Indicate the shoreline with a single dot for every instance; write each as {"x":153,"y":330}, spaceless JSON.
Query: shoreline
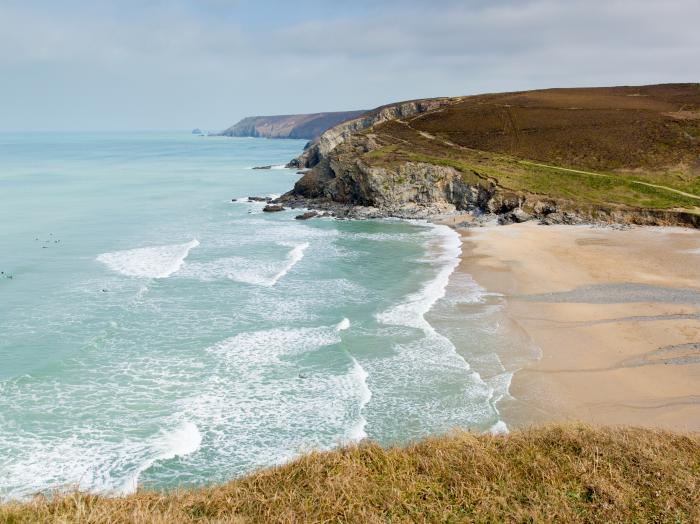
{"x":615,"y":313}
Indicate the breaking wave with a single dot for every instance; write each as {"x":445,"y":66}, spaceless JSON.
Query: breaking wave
{"x":148,"y":262}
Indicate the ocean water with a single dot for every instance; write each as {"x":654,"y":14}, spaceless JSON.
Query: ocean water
{"x":156,"y":334}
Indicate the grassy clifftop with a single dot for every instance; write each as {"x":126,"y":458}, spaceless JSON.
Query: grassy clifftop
{"x":635,"y":146}
{"x":585,"y":149}
{"x":569,"y":473}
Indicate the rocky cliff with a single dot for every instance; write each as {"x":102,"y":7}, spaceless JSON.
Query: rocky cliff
{"x":611,"y":154}
{"x":307,"y":127}
{"x":328,"y":140}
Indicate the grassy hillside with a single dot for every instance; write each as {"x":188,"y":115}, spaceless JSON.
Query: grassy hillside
{"x":633,"y":146}
{"x":560,"y":473}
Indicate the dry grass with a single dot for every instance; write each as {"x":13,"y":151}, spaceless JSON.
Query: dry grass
{"x":402,"y":143}
{"x":630,"y":146}
{"x":562,"y":473}
{"x":600,"y":129}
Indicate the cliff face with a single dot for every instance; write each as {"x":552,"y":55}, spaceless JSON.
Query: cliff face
{"x":411,"y":189}
{"x":306,"y":127}
{"x":328,"y":140}
{"x":517,"y":155}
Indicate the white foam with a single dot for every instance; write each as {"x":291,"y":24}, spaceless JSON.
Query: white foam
{"x":357,"y":431}
{"x":294,"y":257}
{"x":285,"y":407}
{"x":434,"y":354}
{"x":499,"y":428}
{"x":343,"y":325}
{"x":256,"y":273}
{"x":89,"y":462}
{"x":183,"y":440}
{"x":247,"y":270}
{"x":411,"y":312}
{"x":251,"y":349}
{"x":148,"y":262}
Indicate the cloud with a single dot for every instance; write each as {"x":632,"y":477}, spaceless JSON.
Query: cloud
{"x":208,"y":62}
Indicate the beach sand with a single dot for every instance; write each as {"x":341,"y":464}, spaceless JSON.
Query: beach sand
{"x":616,"y":314}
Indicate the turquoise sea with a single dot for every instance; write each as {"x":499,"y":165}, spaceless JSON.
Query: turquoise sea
{"x":157,"y":334}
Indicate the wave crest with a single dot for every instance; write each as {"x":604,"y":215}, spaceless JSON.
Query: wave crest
{"x":148,"y":262}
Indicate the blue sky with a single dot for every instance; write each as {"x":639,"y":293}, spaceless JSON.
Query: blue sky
{"x":179,"y":64}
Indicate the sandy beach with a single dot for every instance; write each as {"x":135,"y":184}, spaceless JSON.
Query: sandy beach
{"x":616,"y":314}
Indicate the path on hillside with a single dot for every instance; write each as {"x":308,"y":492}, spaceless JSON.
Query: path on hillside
{"x":657,"y":186}
{"x":557,"y":168}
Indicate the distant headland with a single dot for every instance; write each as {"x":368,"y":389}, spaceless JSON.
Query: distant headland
{"x":308,"y":127}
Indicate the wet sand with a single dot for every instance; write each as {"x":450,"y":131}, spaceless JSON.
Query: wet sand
{"x":616,"y":314}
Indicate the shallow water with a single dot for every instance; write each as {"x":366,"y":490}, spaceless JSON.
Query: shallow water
{"x":157,"y":334}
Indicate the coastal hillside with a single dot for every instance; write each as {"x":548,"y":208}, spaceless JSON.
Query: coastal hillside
{"x":569,"y":473}
{"x":289,"y":126}
{"x":562,"y":155}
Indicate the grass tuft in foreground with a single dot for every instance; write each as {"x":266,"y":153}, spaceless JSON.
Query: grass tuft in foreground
{"x":559,"y":473}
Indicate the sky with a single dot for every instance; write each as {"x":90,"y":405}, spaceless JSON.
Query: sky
{"x":102,"y":65}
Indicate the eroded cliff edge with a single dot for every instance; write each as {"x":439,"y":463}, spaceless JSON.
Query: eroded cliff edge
{"x":627,"y":154}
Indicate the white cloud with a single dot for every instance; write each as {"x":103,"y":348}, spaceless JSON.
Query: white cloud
{"x":208,"y":62}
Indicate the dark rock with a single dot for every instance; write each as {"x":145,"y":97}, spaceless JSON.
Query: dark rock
{"x":544,"y":208}
{"x":516,"y":216}
{"x":566,"y":218}
{"x":307,"y":215}
{"x":273,"y":208}
{"x":552,"y":219}
{"x":258,"y":199}
{"x":262,"y":167}
{"x":234,"y":200}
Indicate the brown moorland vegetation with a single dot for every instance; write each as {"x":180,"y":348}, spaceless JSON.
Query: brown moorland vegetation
{"x":559,"y":473}
{"x":604,"y":128}
{"x":631,"y":146}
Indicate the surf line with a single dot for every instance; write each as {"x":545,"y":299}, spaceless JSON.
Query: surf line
{"x":357,"y":431}
{"x":293,"y":257}
{"x":412,"y":310}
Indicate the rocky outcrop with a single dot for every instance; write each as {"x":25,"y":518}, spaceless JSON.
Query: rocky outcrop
{"x":344,"y":185}
{"x":306,"y":215}
{"x":307,"y":127}
{"x":330,"y":139}
{"x":354,"y":171}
